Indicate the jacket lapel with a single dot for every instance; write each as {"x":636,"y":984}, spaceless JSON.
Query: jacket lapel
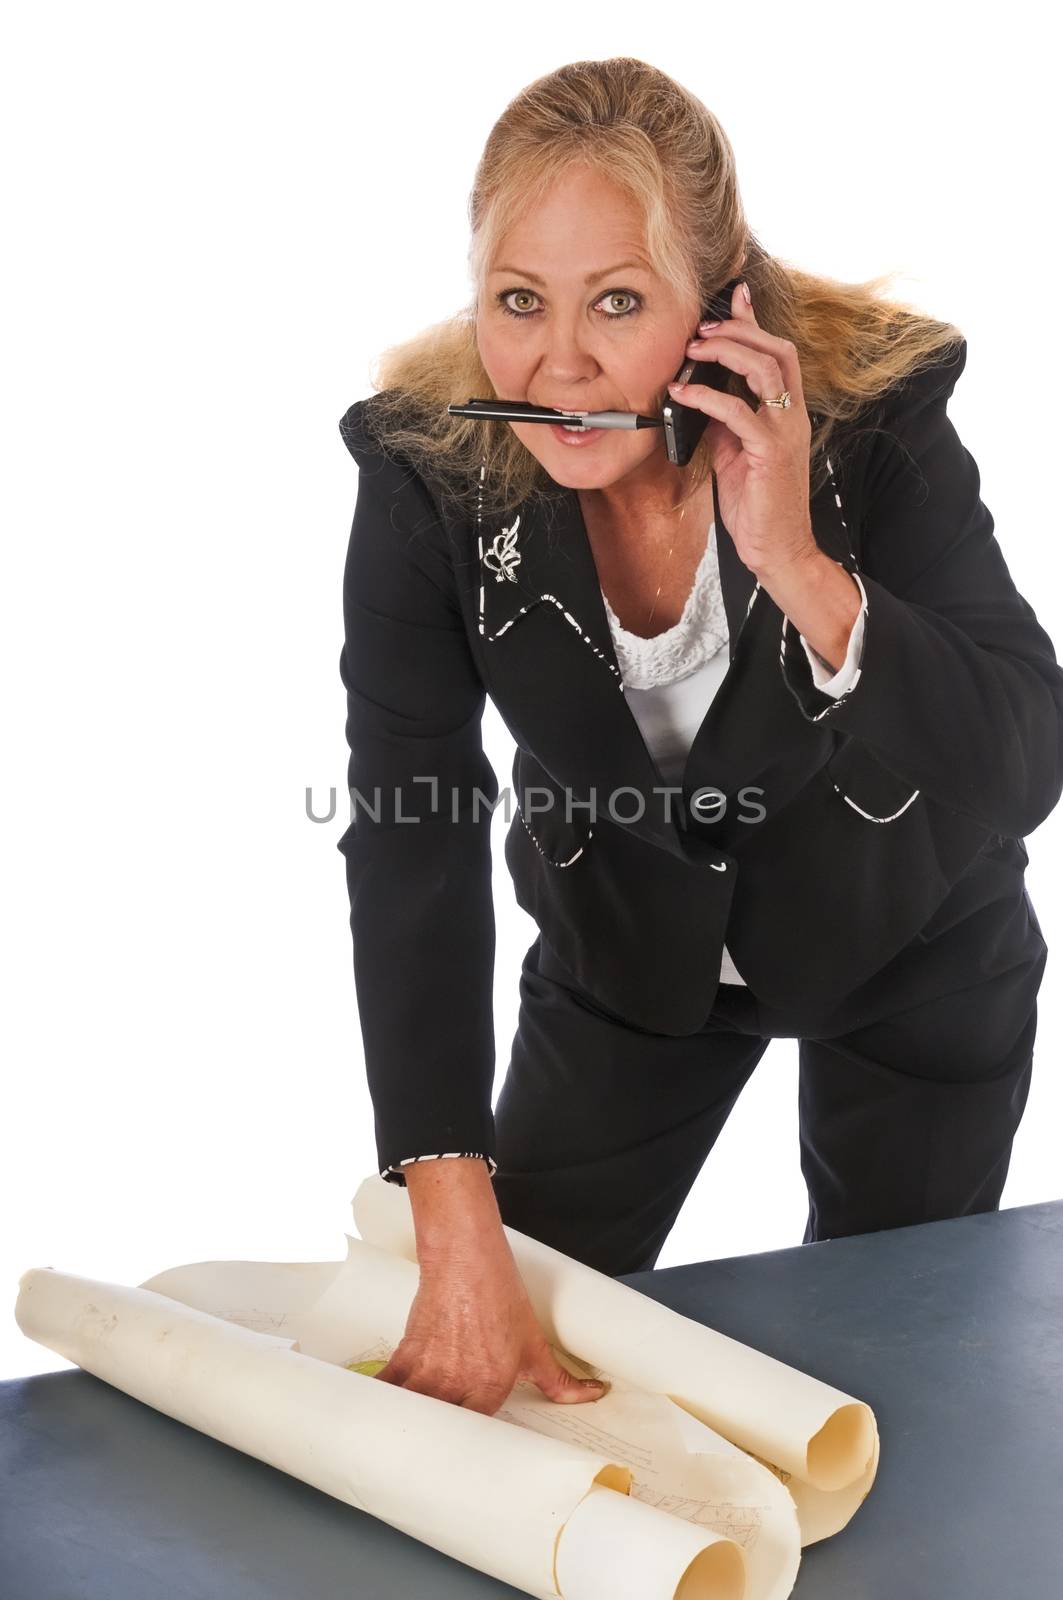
{"x":542,"y":555}
{"x":553,"y":669}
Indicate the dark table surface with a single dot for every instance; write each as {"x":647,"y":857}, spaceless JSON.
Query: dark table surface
{"x":951,"y":1331}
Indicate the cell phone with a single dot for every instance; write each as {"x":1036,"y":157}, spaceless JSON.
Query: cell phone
{"x":684,"y":425}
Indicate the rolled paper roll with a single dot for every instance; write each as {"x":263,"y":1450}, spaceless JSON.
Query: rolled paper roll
{"x":820,"y":1442}
{"x":609,"y":1546}
{"x":677,"y":1464}
{"x":491,"y":1495}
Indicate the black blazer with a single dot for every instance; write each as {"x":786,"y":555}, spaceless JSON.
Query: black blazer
{"x":853,"y":827}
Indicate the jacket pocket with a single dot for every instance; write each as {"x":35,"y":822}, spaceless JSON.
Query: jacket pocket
{"x":869,"y":788}
{"x":559,"y":828}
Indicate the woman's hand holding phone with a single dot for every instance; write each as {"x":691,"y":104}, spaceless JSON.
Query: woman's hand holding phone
{"x":760,"y":457}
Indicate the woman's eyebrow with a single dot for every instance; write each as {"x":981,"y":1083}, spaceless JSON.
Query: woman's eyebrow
{"x":592,"y":277}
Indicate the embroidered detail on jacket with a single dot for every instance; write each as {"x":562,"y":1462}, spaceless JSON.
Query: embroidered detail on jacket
{"x":503,"y":557}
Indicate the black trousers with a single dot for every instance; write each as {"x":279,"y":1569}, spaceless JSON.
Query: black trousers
{"x":602,"y":1128}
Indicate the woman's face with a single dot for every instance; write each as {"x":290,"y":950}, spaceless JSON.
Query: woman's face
{"x":601,"y":331}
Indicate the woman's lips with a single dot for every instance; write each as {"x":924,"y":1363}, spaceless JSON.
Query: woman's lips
{"x":576,"y":437}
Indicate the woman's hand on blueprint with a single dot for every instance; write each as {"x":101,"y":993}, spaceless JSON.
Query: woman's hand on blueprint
{"x":472,"y":1333}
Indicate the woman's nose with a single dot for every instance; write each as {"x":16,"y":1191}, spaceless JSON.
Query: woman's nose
{"x":565,"y":356}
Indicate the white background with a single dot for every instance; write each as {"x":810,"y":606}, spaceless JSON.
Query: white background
{"x":217,"y":216}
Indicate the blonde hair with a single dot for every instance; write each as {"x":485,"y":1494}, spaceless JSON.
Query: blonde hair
{"x":662,"y":146}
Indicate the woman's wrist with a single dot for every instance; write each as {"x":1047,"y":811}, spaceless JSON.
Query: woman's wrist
{"x":452,"y":1201}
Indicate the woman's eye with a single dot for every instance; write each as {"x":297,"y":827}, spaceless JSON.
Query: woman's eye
{"x":611,"y":296}
{"x":523,"y":294}
{"x":621,"y":294}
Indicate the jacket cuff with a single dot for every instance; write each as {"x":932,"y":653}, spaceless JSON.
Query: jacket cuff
{"x":393,"y":1173}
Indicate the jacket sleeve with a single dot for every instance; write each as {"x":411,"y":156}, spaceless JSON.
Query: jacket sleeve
{"x":417,"y":850}
{"x":959,"y":693}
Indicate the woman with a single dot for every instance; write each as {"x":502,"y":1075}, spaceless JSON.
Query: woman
{"x":782,"y":720}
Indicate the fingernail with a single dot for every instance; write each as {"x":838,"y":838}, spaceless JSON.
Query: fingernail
{"x":746,"y":293}
{"x":703,"y":327}
{"x":677,"y":388}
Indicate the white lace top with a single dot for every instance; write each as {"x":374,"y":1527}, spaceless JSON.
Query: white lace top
{"x":699,"y":633}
